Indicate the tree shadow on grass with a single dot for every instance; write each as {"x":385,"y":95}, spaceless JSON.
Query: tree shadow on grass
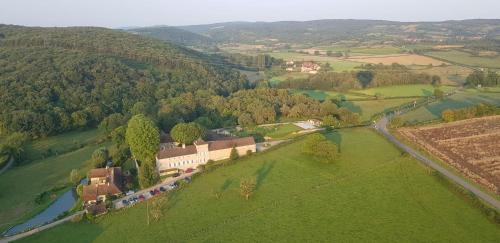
{"x":352,"y":107}
{"x":336,"y":138}
{"x":263,"y":172}
{"x":226,"y":184}
{"x":427,"y":92}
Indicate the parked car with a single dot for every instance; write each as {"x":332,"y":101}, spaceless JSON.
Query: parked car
{"x":162,"y":189}
{"x":187,"y":179}
{"x":125,"y":202}
{"x":152,"y":192}
{"x":142,"y":198}
{"x":189,"y":170}
{"x":129,"y":193}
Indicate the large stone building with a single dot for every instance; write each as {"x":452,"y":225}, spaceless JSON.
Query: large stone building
{"x":172,"y":158}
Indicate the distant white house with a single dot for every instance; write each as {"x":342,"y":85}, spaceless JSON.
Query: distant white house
{"x":310,"y":67}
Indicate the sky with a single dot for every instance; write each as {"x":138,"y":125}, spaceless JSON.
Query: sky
{"x":126,"y":13}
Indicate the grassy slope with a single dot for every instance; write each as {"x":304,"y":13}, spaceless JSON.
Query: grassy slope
{"x":370,"y":194}
{"x":20,"y":184}
{"x":404,"y":90}
{"x":368,"y":108}
{"x":459,"y":100}
{"x":323,"y":95}
{"x":467,"y":59}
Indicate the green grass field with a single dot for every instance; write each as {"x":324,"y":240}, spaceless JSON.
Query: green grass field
{"x":59,"y":144}
{"x":20,"y":185}
{"x":363,"y":51}
{"x":371,"y":194}
{"x":404,"y":90}
{"x":368,"y":108}
{"x":278,"y":132}
{"x":467,"y":59}
{"x":288,"y":75}
{"x":337,"y":64}
{"x":459,"y":100}
{"x":323,"y":95}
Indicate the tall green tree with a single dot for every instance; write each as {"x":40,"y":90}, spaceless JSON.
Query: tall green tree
{"x":143,"y":137}
{"x":186,"y":133}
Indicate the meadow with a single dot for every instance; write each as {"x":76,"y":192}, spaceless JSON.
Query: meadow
{"x":20,"y":185}
{"x":368,"y":108}
{"x":404,"y":90}
{"x":337,"y":64}
{"x":276,"y":132}
{"x":468,"y":59}
{"x":403,"y":59}
{"x":450,"y":74}
{"x":459,"y":100}
{"x":372,"y":193}
{"x":323,"y":95}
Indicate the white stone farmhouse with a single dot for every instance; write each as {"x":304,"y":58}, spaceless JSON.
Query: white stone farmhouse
{"x":172,"y":158}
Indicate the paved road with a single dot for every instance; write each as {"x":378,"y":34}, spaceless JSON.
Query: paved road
{"x":38,"y":229}
{"x":118,"y":202}
{"x":8,"y":165}
{"x":381,"y":126}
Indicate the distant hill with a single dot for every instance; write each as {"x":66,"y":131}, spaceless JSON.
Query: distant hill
{"x":324,"y":31}
{"x":175,"y":35}
{"x":58,"y":79}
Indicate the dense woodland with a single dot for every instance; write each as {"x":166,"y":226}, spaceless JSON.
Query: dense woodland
{"x":54,"y":80}
{"x":58,"y":79}
{"x":370,"y":76}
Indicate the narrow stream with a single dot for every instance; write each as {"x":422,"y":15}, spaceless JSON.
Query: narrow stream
{"x":64,"y":203}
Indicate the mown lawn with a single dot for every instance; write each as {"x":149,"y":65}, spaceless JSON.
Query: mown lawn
{"x":282,"y":131}
{"x":371,"y":194}
{"x":457,"y":101}
{"x":20,"y":185}
{"x":404,"y":90}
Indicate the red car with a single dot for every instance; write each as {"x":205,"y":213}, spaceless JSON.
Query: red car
{"x":141,"y":198}
{"x":189,"y":170}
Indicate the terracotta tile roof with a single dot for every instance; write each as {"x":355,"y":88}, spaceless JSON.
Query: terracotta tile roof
{"x":112,"y":186}
{"x":230,"y":143}
{"x":91,"y":192}
{"x":105,"y":172}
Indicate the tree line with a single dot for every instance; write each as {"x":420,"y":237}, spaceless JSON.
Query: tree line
{"x":368,"y":76}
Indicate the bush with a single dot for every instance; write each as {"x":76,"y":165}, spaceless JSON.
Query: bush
{"x":234,"y":154}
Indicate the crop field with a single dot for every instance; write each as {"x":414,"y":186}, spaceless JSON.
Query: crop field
{"x":467,"y":58}
{"x":370,"y":194}
{"x":471,"y":146}
{"x":20,"y":185}
{"x":403,"y":59}
{"x":361,"y":50}
{"x":450,"y":74}
{"x":459,"y":100}
{"x":404,"y":90}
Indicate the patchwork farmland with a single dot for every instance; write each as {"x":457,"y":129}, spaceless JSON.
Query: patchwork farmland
{"x":471,"y":146}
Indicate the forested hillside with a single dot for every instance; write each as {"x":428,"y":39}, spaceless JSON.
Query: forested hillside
{"x":57,"y":79}
{"x":326,"y":31}
{"x":175,"y":35}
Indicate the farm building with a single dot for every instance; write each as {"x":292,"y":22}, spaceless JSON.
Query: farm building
{"x":172,"y":158}
{"x":310,"y":67}
{"x":104,"y":182}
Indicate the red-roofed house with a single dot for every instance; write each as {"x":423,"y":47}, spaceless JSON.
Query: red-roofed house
{"x":104,"y":182}
{"x":169,"y":159}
